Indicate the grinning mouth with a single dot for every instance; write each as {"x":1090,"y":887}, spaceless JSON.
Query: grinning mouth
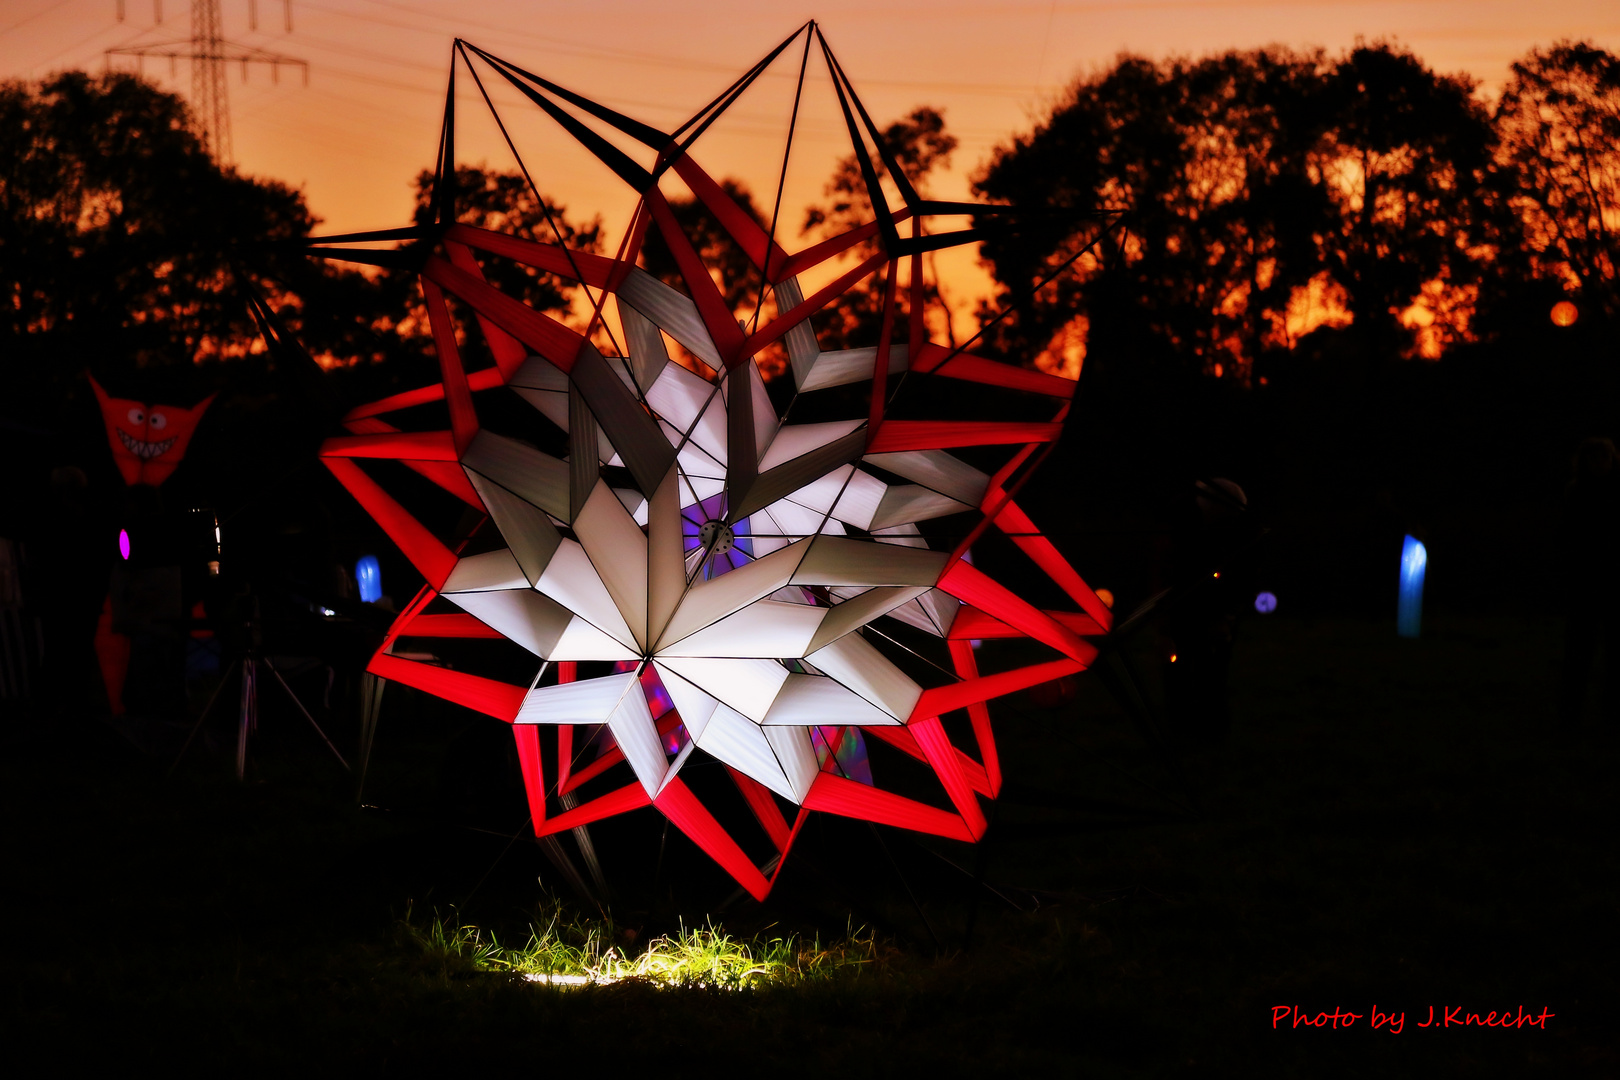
{"x":142,"y":449}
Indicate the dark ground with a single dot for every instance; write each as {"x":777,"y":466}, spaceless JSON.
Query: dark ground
{"x":1393,"y":823}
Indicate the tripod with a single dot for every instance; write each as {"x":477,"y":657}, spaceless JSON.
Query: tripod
{"x":248,"y":713}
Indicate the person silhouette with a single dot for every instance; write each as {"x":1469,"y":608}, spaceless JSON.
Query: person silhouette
{"x":1201,"y":620}
{"x":1589,"y":538}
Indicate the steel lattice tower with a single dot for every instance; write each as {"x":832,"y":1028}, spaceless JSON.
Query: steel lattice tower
{"x":209,"y":51}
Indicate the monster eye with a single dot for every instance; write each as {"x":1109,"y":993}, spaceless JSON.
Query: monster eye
{"x":136,"y":416}
{"x":159,"y":421}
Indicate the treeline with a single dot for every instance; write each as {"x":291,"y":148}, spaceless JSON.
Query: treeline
{"x":1273,"y":193}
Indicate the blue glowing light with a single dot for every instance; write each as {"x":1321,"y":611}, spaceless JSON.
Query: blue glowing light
{"x":1414,"y":559}
{"x":123,"y":543}
{"x":369,"y":575}
{"x":1265,"y":603}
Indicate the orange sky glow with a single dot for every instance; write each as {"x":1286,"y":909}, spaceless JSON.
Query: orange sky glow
{"x":368,"y":120}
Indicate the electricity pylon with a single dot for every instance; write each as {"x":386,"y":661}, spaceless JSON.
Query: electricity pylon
{"x":209,"y":51}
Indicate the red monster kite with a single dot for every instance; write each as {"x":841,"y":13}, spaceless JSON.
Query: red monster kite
{"x":148,"y":441}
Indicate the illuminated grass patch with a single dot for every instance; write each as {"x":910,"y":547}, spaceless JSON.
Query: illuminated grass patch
{"x":566,"y":950}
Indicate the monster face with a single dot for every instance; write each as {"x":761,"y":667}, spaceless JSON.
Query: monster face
{"x":147,"y":441}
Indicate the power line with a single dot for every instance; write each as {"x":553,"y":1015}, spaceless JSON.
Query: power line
{"x":209,"y":51}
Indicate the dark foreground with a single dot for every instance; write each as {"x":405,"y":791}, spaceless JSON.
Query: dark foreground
{"x":1393,"y":824}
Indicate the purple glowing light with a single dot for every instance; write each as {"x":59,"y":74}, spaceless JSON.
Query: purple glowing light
{"x":123,"y":543}
{"x":1265,"y":603}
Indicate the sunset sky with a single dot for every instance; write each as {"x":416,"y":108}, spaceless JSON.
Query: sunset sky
{"x":368,"y":120}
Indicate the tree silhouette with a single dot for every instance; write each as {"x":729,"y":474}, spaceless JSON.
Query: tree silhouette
{"x":121,"y":240}
{"x":1269,"y":192}
{"x":1211,"y":159}
{"x":1559,"y":119}
{"x":919,"y":143}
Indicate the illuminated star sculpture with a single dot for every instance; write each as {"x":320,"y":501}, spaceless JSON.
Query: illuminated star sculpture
{"x":694,"y":576}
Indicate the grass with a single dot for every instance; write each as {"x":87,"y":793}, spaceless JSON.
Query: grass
{"x":566,"y":949}
{"x":1392,"y":823}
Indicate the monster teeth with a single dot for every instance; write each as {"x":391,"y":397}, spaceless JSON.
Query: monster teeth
{"x":142,"y":449}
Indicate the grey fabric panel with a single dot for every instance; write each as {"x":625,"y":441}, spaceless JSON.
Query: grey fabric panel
{"x":907,"y":503}
{"x":742,"y":455}
{"x":846,"y":366}
{"x":801,"y":340}
{"x":857,"y":611}
{"x":790,"y":476}
{"x":538,"y":373}
{"x":491,"y":570}
{"x":675,"y":313}
{"x":534,"y":477}
{"x":525,"y":527}
{"x":634,"y":434}
{"x":534,"y":621}
{"x":933,"y":612}
{"x":938,"y":470}
{"x":836,"y":560}
{"x":648,"y":354}
{"x":549,"y":403}
{"x":583,"y":464}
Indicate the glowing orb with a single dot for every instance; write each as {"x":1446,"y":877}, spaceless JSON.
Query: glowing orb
{"x":123,"y":543}
{"x":1564,"y":313}
{"x":1265,"y":603}
{"x":368,"y":575}
{"x":1414,"y":561}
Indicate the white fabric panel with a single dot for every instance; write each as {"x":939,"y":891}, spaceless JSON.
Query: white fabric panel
{"x":906,"y":535}
{"x":808,"y":700}
{"x":788,"y":518}
{"x":693,"y":704}
{"x":538,"y":373}
{"x":796,"y":755}
{"x":764,"y":628}
{"x":678,"y":396}
{"x":524,"y":526}
{"x":491,"y":570}
{"x":534,"y":477}
{"x":694,"y":489}
{"x":932,"y":612}
{"x":765,"y":422}
{"x":749,"y":686}
{"x":675,"y":766}
{"x":633,"y":729}
{"x":854,"y":662}
{"x":572,"y":581}
{"x":633,"y":504}
{"x":938,"y":470}
{"x":677,"y":314}
{"x":618,"y":549}
{"x":533,"y":621}
{"x":585,"y":701}
{"x":860,"y":501}
{"x":647,"y":352}
{"x":820,"y":494}
{"x":694,"y":462}
{"x":837,"y":561}
{"x":666,"y":566}
{"x":844,"y":366}
{"x":796,"y":439}
{"x":855,"y":613}
{"x":552,"y":405}
{"x":906,"y":503}
{"x":582,"y":641}
{"x":714,"y":600}
{"x":742,"y":744}
{"x":801,"y":339}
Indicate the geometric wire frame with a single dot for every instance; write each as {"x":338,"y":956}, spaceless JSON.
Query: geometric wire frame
{"x":698,"y":578}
